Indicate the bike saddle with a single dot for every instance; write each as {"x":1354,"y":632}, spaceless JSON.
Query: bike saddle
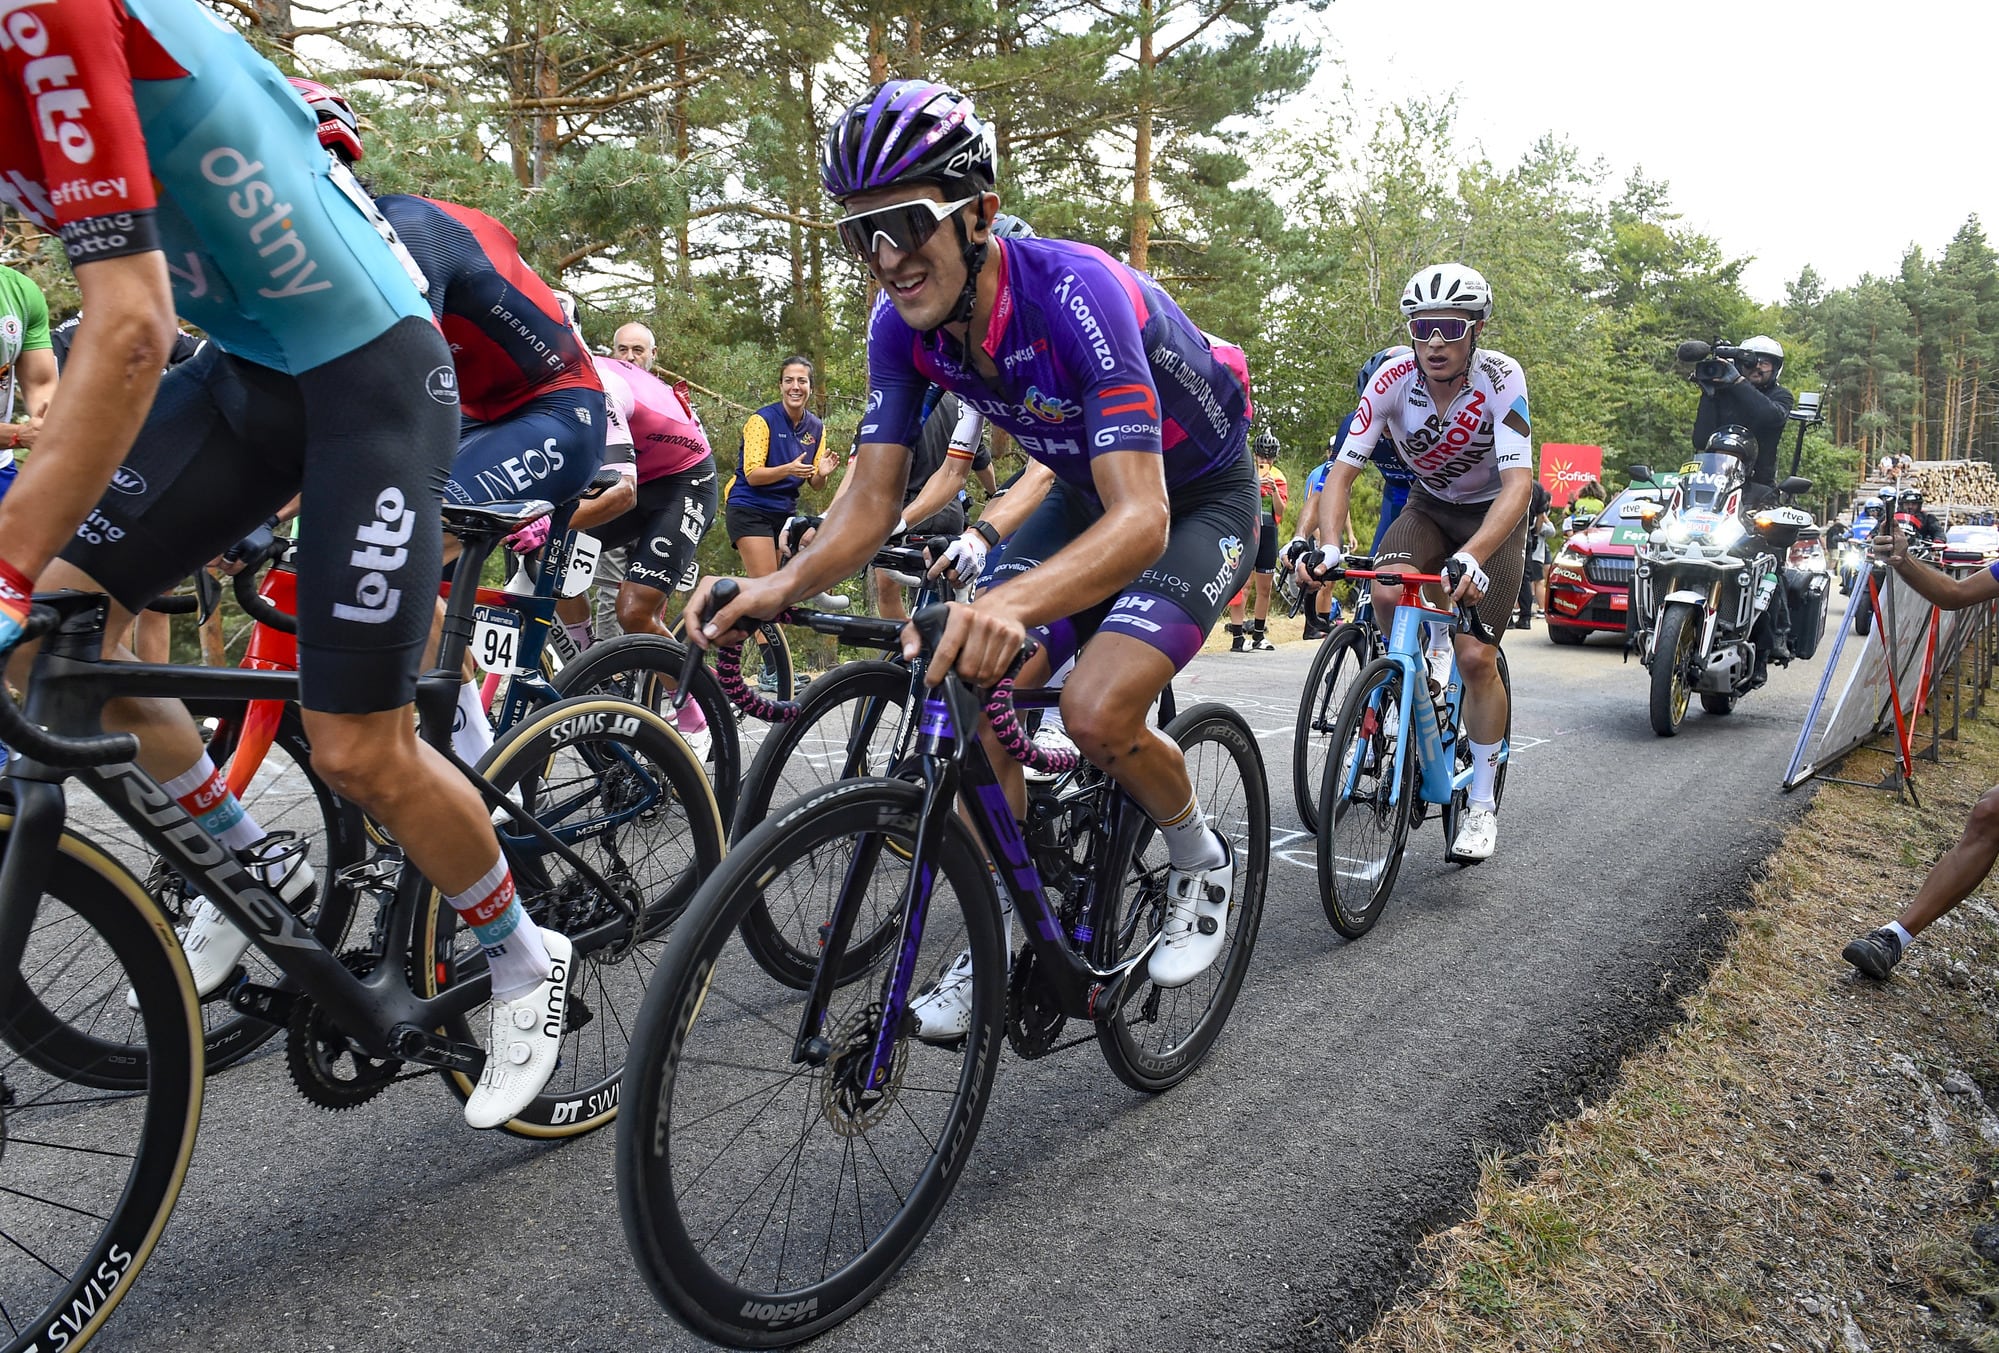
{"x":605,"y":479}
{"x":497,"y":519}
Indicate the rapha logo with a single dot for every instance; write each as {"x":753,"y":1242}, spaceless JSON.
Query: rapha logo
{"x":381,"y":554}
{"x":128,"y":480}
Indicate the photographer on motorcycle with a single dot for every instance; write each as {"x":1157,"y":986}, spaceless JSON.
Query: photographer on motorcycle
{"x":1739,"y":386}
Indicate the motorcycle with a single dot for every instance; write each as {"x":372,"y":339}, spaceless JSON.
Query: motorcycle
{"x":1704,"y":578}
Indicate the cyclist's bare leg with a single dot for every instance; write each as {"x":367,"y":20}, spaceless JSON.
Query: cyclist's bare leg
{"x":377,"y":761}
{"x":640,"y":608}
{"x":1385,"y":600}
{"x":888,"y":597}
{"x":1485,"y":693}
{"x":1107,"y":710}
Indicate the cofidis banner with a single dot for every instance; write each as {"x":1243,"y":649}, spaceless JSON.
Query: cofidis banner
{"x":1566,"y":468}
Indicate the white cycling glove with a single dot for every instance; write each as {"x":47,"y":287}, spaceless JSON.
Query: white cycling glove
{"x":965,"y":557}
{"x":1474,"y":572}
{"x":1331,"y":556}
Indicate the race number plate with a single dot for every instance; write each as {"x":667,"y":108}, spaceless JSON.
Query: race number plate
{"x":581,"y":568}
{"x":496,"y":638}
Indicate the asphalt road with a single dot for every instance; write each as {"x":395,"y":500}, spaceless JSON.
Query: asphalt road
{"x":1269,"y":1202}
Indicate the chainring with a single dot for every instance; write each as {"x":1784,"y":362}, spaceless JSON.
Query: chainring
{"x":327,"y":1070}
{"x":1034,"y":1018}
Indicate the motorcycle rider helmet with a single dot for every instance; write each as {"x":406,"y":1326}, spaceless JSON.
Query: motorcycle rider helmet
{"x":1909,"y":499}
{"x":1448,"y":286}
{"x":1733,"y":440}
{"x":1765,"y":346}
{"x":1266,"y":444}
{"x":339,"y":128}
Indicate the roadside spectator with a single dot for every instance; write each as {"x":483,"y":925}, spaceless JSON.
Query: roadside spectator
{"x":1532,"y":584}
{"x":1965,"y":865}
{"x":1270,"y":481}
{"x":783,"y":449}
{"x":28,"y":365}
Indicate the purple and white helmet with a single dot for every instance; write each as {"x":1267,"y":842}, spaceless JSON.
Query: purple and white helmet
{"x":909,"y":131}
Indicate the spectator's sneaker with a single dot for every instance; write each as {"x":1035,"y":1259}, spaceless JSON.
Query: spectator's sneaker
{"x":523,"y":1042}
{"x":942,"y":1011}
{"x":1050,"y":740}
{"x":1477,"y":834}
{"x":1259,"y":641}
{"x":1197,"y":916}
{"x":1876,"y":953}
{"x":212,"y":943}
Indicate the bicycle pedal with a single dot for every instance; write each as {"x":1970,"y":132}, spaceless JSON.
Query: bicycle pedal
{"x":424,"y":1048}
{"x":268,"y":1004}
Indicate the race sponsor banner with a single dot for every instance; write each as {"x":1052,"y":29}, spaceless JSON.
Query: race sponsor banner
{"x":1565,"y":468}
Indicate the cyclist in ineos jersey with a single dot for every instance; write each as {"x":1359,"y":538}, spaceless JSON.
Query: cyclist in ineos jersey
{"x":207,"y":189}
{"x":1150,"y":527}
{"x":1458,"y":416}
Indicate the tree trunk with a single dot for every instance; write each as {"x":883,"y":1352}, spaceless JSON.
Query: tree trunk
{"x":518,"y":86}
{"x":548,"y":84}
{"x":682,"y":148}
{"x":877,"y":54}
{"x":1141,"y":173}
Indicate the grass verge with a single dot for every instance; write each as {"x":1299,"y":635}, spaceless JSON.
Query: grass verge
{"x":1805,"y":1162}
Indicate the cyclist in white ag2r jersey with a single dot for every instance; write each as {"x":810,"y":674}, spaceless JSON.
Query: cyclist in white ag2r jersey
{"x":1458,"y":417}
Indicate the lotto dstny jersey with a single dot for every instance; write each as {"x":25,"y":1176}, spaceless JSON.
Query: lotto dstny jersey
{"x":1093,"y":357}
{"x":128,"y":126}
{"x":667,"y":436}
{"x":1456,"y":453}
{"x":509,"y":338}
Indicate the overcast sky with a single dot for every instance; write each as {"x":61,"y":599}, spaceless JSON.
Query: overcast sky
{"x":1826,"y":133}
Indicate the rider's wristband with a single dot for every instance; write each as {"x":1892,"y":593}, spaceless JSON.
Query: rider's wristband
{"x":988,"y":531}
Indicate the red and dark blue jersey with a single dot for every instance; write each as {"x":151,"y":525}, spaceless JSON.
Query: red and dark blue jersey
{"x":507,"y":334}
{"x":1093,"y":357}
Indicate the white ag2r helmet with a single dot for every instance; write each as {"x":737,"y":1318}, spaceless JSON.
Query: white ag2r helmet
{"x":1448,"y":286}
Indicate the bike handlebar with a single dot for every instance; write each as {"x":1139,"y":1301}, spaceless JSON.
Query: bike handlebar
{"x":51,"y":749}
{"x":1468,"y":618}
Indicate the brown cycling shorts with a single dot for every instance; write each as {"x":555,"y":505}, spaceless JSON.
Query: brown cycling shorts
{"x":1430,"y":530}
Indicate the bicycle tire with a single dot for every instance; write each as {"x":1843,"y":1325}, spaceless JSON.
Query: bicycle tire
{"x":1142,"y":906}
{"x":1340,"y":657}
{"x":679,"y":1058}
{"x":72,"y":1289}
{"x":645,"y":668}
{"x":580,"y":756}
{"x":1354,"y":911}
{"x":1461,"y":798}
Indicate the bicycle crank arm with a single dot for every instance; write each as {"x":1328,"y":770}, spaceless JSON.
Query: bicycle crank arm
{"x":1107,"y":999}
{"x":425,"y":1048}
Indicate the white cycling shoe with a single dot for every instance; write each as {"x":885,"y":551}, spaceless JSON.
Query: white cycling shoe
{"x":524,"y":1042}
{"x":212,"y":943}
{"x":942,"y":1012}
{"x":1197,"y":916}
{"x":1477,"y":834}
{"x":700,"y":741}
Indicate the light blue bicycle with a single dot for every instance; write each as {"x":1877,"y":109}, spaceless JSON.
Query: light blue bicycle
{"x":1398,"y":748}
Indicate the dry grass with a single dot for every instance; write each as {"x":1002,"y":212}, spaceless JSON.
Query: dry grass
{"x":1800,"y":1164}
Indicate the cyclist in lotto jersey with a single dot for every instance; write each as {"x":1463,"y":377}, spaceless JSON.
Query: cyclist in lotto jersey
{"x":1151,"y":525}
{"x":180,"y":170}
{"x":1458,"y":417}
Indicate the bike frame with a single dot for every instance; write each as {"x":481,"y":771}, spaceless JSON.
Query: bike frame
{"x":69,"y":689}
{"x":955,"y":768}
{"x":1429,"y":725}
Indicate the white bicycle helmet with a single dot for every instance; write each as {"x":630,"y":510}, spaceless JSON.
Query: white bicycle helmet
{"x":1448,"y":286}
{"x":1765,"y":346}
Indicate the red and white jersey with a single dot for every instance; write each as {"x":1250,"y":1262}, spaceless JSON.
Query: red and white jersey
{"x":1455,"y":453}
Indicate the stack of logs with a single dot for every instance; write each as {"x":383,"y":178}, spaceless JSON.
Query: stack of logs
{"x":1963,"y":485}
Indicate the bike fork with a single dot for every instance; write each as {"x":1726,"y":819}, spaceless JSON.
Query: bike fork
{"x":39,"y":812}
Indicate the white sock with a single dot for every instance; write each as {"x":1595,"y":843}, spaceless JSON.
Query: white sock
{"x":1189,"y":843}
{"x":471,"y":735}
{"x":579,"y":634}
{"x":1900,"y":933}
{"x":514,"y":951}
{"x":1484,"y":767}
{"x":204,"y":792}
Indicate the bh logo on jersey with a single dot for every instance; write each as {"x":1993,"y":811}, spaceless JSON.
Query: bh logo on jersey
{"x":1231,"y":557}
{"x":381,"y":553}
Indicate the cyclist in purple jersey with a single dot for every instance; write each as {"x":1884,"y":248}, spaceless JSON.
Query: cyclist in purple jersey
{"x":1149,"y":528}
